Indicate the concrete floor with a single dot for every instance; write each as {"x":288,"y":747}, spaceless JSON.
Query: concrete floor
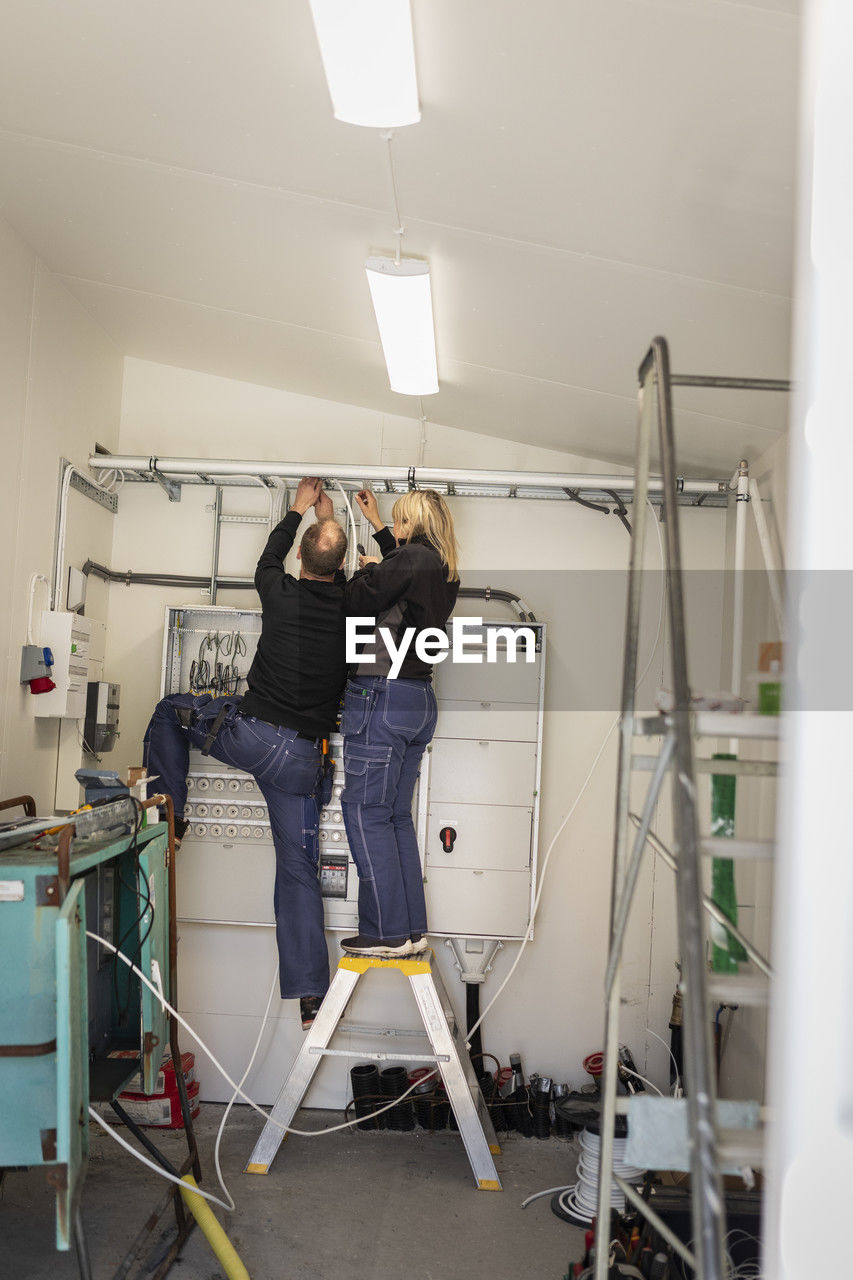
{"x":360,"y":1206}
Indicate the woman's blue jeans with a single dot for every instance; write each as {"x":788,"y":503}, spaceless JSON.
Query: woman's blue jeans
{"x":387,"y":725}
{"x":286,"y":769}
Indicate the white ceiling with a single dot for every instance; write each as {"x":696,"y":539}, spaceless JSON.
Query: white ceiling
{"x":587,"y":173}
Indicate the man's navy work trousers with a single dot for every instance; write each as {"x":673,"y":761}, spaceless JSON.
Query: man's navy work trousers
{"x":286,"y":768}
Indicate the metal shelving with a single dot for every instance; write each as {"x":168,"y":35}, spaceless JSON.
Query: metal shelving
{"x":708,"y":1142}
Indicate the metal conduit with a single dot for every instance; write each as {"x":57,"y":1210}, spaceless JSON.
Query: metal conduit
{"x":217,"y":469}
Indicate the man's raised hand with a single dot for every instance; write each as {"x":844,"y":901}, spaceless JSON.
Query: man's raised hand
{"x":323,"y":508}
{"x":307,"y":491}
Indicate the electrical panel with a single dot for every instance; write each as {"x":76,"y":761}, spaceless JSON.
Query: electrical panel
{"x":483,"y":792}
{"x":76,"y":644}
{"x":225,"y":808}
{"x":475,"y":810}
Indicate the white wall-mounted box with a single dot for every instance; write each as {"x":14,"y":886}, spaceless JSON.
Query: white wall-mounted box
{"x":77,"y":645}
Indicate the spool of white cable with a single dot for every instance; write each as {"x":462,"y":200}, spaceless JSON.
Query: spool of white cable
{"x":579,"y":1203}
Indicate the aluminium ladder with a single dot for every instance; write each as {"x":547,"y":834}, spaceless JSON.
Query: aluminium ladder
{"x":708,"y":1145}
{"x":457,"y":1073}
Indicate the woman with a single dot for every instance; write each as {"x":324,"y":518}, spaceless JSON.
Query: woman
{"x":388,"y":722}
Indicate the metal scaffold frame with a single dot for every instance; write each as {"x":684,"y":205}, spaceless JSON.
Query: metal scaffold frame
{"x":632,"y":833}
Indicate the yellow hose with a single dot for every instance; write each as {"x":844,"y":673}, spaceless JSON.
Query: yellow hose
{"x":222,"y":1247}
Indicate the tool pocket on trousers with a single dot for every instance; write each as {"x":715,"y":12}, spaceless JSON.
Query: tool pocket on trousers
{"x":366,"y":775}
{"x":354,"y":717}
{"x":406,"y":709}
{"x":294,"y":772}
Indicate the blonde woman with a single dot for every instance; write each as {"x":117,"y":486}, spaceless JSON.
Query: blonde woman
{"x":388,"y":720}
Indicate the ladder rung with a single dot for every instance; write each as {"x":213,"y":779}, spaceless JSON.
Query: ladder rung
{"x":319,"y":1052}
{"x":740,"y":768}
{"x":402,"y":1033}
{"x":738,"y":988}
{"x":714,"y":724}
{"x":721,"y":724}
{"x":720,"y":847}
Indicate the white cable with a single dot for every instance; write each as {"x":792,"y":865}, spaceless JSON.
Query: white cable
{"x":278,"y":501}
{"x":164,"y":1173}
{"x":677,"y":1093}
{"x":423,"y":421}
{"x":60,"y":541}
{"x":399,"y":229}
{"x":112,"y":481}
{"x":63,"y":521}
{"x":272,"y":492}
{"x":300,"y":1133}
{"x":35,"y":578}
{"x":577,"y":800}
{"x":550,"y":1191}
{"x":235,"y":1094}
{"x":581,"y":1199}
{"x":354,"y":544}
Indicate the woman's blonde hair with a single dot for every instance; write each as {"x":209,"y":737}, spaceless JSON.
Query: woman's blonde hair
{"x":424,"y":512}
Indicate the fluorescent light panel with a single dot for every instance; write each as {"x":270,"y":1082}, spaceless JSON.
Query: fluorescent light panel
{"x":368,"y":54}
{"x":402,"y":301}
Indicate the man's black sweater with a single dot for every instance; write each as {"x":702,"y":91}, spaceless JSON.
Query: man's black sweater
{"x":299,"y":669}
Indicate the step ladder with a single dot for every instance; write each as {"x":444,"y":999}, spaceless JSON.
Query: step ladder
{"x":439,"y":1020}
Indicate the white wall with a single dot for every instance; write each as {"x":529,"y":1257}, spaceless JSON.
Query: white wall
{"x":553,"y":1010}
{"x":60,"y":390}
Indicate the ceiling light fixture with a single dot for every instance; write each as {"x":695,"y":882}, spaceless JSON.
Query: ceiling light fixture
{"x":402,"y":300}
{"x":368,"y":54}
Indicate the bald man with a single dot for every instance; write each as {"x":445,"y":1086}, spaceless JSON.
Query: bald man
{"x":275,"y":732}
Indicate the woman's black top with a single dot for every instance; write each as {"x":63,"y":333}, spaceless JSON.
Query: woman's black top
{"x":408,"y":588}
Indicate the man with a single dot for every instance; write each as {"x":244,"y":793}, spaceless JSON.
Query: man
{"x":276,"y":731}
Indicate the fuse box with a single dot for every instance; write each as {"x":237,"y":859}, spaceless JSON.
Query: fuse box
{"x":77,"y":645}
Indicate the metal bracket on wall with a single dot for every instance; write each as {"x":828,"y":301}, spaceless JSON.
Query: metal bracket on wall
{"x":90,"y":490}
{"x":172,"y":487}
{"x":474,"y":960}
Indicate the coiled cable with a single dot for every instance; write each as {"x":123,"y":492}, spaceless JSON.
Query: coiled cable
{"x":579,"y":1202}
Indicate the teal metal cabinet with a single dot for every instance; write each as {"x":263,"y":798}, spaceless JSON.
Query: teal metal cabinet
{"x":66,"y":1004}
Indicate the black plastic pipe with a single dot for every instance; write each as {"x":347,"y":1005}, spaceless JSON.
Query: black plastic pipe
{"x":497,"y":593}
{"x":472,"y":1016}
{"x":131,"y":579}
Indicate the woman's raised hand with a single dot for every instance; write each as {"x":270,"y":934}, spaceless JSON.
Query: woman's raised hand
{"x":366,"y":500}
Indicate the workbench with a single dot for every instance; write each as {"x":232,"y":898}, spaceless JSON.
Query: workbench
{"x":67,"y":1004}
